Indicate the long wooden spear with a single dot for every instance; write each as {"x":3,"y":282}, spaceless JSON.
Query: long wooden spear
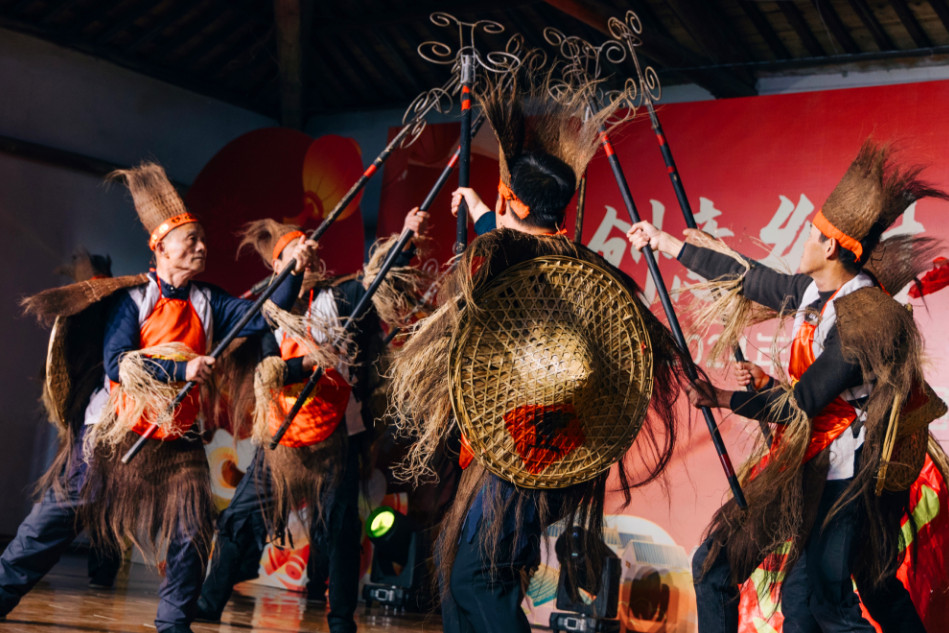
{"x":648,"y":90}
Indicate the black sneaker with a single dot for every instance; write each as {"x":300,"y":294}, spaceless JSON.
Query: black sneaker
{"x":204,"y":613}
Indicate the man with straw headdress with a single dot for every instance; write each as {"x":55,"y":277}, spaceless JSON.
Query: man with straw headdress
{"x":851,"y":434}
{"x":317,"y":463}
{"x":512,"y":361}
{"x":157,"y":337}
{"x":72,"y":388}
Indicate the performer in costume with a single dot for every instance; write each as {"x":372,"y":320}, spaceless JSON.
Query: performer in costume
{"x":71,"y":378}
{"x":890,"y":604}
{"x":157,"y":336}
{"x":833,"y":486}
{"x":490,"y":538}
{"x":317,"y":463}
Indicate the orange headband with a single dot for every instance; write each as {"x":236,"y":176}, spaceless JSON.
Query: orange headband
{"x":824,"y":226}
{"x":285,"y":239}
{"x":166,"y":227}
{"x":520,"y":209}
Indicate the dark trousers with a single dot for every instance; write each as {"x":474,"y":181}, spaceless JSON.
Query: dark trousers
{"x":889,"y":604}
{"x":242,"y":531}
{"x":827,"y":556}
{"x":485,"y":600}
{"x":45,"y":534}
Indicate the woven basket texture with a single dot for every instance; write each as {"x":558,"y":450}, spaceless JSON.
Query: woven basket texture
{"x":551,"y":372}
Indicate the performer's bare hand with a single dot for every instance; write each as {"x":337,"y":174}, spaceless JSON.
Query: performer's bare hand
{"x":476,"y":206}
{"x":644,"y":234}
{"x":199,"y":369}
{"x":705,"y":394}
{"x":750,"y":374}
{"x":416,"y":221}
{"x":304,"y":252}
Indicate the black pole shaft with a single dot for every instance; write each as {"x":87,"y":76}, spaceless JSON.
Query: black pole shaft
{"x":581,"y":206}
{"x":666,"y":301}
{"x":686,"y":208}
{"x":464,"y":161}
{"x":350,"y":324}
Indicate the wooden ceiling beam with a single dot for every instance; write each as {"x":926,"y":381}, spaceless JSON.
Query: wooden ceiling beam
{"x":132,"y":12}
{"x":171,"y":16}
{"x":760,"y":22}
{"x":716,"y":36}
{"x":797,"y":22}
{"x":829,"y":16}
{"x":880,"y":36}
{"x":942,"y":11}
{"x":419,"y":13}
{"x":912,"y":26}
{"x":289,"y":38}
{"x":666,"y":52}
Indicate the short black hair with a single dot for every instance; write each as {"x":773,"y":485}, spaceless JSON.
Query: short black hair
{"x":101,"y":264}
{"x":849,"y":259}
{"x":544,"y":183}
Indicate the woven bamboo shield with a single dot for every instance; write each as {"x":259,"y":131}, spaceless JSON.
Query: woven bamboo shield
{"x":551,"y":372}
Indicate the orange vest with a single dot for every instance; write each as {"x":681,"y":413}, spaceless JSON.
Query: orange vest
{"x":323,"y":409}
{"x":833,"y":419}
{"x":172,"y":321}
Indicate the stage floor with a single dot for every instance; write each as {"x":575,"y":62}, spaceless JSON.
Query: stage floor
{"x":64,"y":602}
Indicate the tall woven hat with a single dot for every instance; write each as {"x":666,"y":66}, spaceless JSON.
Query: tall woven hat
{"x":542,"y":120}
{"x":158,"y":205}
{"x":268,"y":237}
{"x":869,"y":198}
{"x":551,"y":372}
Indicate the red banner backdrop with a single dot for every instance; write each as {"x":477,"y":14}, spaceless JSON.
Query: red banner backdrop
{"x":756,"y":170}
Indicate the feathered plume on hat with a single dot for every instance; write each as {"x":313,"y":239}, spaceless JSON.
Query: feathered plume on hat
{"x":158,"y":205}
{"x":543,"y":119}
{"x":869,"y":198}
{"x":268,"y":237}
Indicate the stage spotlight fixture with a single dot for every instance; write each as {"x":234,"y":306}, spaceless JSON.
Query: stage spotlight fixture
{"x":591,"y":594}
{"x":397,"y":560}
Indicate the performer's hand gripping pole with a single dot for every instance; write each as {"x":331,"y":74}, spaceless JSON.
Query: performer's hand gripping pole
{"x":429,"y":296}
{"x":648,"y":92}
{"x":464,"y":150}
{"x":690,"y":370}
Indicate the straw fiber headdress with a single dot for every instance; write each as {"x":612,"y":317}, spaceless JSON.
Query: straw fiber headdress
{"x":268,"y":237}
{"x":551,"y":375}
{"x":158,"y":205}
{"x":869,"y":198}
{"x":532,"y":124}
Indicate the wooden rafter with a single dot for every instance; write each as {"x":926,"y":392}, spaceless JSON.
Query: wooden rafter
{"x":289,"y":36}
{"x":667,"y":53}
{"x":829,"y":16}
{"x":912,"y":26}
{"x":865,"y":13}
{"x":797,"y":22}
{"x":942,"y":11}
{"x":760,"y":22}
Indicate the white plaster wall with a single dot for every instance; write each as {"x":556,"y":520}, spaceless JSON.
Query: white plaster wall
{"x":67,"y":100}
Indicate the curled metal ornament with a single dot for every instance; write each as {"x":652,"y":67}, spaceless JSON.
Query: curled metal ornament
{"x":630,"y":32}
{"x":583,"y":59}
{"x":441,"y":53}
{"x":630,"y":29}
{"x":437,"y":99}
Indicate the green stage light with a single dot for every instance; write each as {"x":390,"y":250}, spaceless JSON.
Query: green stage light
{"x":380,"y":522}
